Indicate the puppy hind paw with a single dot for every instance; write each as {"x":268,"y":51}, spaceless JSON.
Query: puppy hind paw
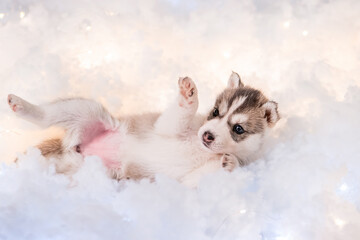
{"x":15,"y":103}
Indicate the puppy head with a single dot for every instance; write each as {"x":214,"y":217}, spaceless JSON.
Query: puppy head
{"x":238,"y":120}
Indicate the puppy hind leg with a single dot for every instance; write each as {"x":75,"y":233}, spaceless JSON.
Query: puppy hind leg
{"x":26,"y":110}
{"x":74,"y":113}
{"x":81,"y":118}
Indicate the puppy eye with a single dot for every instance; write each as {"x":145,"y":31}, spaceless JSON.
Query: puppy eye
{"x":216,"y":112}
{"x":238,"y":129}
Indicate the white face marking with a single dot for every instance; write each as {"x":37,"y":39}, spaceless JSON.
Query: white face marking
{"x":223,"y":108}
{"x":235,"y":105}
{"x":239,"y":118}
{"x":249,"y":145}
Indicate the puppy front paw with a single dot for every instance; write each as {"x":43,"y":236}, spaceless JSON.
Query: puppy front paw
{"x":188,"y":92}
{"x":229,"y":162}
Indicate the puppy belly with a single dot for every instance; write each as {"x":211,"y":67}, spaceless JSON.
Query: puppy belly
{"x":105,"y":145}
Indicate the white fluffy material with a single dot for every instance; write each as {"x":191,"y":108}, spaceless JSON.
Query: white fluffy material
{"x":129,"y":55}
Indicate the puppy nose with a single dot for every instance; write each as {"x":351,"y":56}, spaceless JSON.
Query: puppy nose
{"x":208,"y":137}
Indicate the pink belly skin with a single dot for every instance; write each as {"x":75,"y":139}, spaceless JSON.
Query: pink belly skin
{"x":104,"y":144}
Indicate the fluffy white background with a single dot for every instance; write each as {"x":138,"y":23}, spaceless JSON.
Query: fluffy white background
{"x":128,"y":54}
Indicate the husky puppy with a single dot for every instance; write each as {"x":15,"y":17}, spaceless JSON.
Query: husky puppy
{"x":178,"y":143}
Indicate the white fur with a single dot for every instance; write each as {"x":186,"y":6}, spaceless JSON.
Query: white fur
{"x":173,"y":148}
{"x":239,"y":118}
{"x":247,"y":150}
{"x":223,"y":108}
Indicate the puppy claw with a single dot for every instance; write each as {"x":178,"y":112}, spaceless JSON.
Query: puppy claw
{"x":191,"y":92}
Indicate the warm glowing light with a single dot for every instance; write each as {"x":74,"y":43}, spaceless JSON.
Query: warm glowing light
{"x":87,"y":60}
{"x":226,"y":54}
{"x":286,"y":24}
{"x":22,"y":14}
{"x":100,"y":55}
{"x":2,"y":131}
{"x":109,"y":13}
{"x":2,"y":15}
{"x":305,"y":33}
{"x":339,"y":222}
{"x":88,"y":28}
{"x":344,"y":187}
{"x":110,"y":57}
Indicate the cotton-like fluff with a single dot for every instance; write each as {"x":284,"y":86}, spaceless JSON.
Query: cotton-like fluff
{"x":305,"y":187}
{"x":128,"y":56}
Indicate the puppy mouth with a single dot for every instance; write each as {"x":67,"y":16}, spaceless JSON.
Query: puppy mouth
{"x":210,"y":148}
{"x":207,"y":147}
{"x":206,"y":144}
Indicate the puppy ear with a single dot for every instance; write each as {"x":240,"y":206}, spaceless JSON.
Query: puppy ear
{"x":271,"y":113}
{"x":234,"y":81}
